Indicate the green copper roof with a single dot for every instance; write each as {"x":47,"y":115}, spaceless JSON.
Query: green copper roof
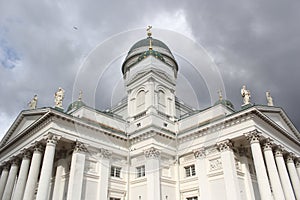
{"x":151,"y":52}
{"x":225,"y":103}
{"x":146,"y":42}
{"x":75,"y":105}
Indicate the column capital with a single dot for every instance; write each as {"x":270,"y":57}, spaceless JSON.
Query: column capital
{"x":290,"y":157}
{"x":79,"y":147}
{"x":104,"y":153}
{"x":279,"y":151}
{"x":5,"y":166}
{"x":225,"y":145}
{"x":268,"y":144}
{"x":52,"y":139}
{"x":152,"y":153}
{"x":38,"y":147}
{"x":14,"y":160}
{"x":26,"y":153}
{"x":253,"y":136}
{"x":199,"y":153}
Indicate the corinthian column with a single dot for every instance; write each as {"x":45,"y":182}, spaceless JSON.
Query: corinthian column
{"x":33,"y":172}
{"x":76,"y":172}
{"x":11,"y":179}
{"x":272,"y":169}
{"x":229,"y":169}
{"x":260,"y":168}
{"x":202,"y":174}
{"x":283,"y":174}
{"x":152,"y":170}
{"x":3,"y":179}
{"x":104,"y":169}
{"x":23,"y":174}
{"x":293,"y":174}
{"x":46,"y":172}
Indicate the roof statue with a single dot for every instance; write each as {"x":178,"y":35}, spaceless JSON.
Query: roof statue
{"x":220,"y":94}
{"x":33,"y":103}
{"x":246,"y":95}
{"x":80,"y":96}
{"x":269,"y":99}
{"x":59,"y":97}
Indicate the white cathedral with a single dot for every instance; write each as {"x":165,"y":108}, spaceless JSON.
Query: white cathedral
{"x":151,"y":146}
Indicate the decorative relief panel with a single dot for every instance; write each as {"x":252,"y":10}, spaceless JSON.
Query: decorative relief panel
{"x":215,"y":164}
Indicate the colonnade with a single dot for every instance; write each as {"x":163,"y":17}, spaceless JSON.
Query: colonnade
{"x":277,"y":171}
{"x":28,"y":175}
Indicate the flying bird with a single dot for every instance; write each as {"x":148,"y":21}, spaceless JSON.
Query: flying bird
{"x":75,"y":27}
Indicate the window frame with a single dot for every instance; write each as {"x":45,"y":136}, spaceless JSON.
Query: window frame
{"x":115,"y":171}
{"x":190,"y":170}
{"x":140,"y":171}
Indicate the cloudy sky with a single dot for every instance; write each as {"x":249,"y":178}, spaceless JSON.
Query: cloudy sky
{"x":43,"y":45}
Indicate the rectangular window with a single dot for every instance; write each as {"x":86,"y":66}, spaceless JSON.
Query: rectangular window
{"x":192,"y":198}
{"x":112,"y":198}
{"x":140,"y":171}
{"x":190,"y":170}
{"x":115,"y":171}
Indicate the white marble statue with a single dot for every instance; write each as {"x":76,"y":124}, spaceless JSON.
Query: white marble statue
{"x":33,"y":103}
{"x":246,"y":95}
{"x":269,"y":99}
{"x":59,"y":97}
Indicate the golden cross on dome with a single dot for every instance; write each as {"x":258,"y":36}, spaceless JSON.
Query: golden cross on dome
{"x":149,"y":31}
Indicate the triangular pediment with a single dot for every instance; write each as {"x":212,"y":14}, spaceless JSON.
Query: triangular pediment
{"x":279,"y":117}
{"x":24,"y":120}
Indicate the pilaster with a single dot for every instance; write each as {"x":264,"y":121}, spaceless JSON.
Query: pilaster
{"x":201,"y":172}
{"x":152,"y":169}
{"x":76,"y":171}
{"x":229,"y":169}
{"x":104,"y":170}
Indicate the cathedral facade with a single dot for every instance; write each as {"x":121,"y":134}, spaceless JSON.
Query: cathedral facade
{"x":151,"y":146}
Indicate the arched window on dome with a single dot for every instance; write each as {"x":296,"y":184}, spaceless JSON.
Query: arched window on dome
{"x":161,"y":101}
{"x":140,"y":101}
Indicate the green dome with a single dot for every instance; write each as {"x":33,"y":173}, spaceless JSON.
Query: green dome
{"x":146,"y":42}
{"x":143,"y":48}
{"x":151,"y":52}
{"x":75,"y":105}
{"x":225,"y":102}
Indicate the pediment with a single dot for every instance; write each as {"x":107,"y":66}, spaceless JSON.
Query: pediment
{"x":279,"y":117}
{"x":24,"y":120}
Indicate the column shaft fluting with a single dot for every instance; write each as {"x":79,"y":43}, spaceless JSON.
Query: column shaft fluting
{"x":260,"y":168}
{"x":46,"y":172}
{"x":23,"y":174}
{"x":33,"y":173}
{"x":284,"y":176}
{"x":59,"y":184}
{"x":272,"y":171}
{"x":11,"y":180}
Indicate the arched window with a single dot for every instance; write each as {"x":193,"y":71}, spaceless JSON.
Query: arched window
{"x":161,"y":101}
{"x":161,"y":98}
{"x":140,"y":101}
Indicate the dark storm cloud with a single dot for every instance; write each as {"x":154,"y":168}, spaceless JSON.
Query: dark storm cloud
{"x":252,"y":42}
